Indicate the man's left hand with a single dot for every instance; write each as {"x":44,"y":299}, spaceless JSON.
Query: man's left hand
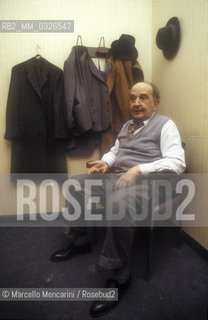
{"x":126,"y":179}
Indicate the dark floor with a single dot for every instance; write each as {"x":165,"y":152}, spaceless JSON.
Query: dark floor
{"x":177,"y":290}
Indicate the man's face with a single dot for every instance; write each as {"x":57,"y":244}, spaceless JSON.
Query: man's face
{"x":142,"y":103}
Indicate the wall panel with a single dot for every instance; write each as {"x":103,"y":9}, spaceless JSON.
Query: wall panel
{"x":183,"y":82}
{"x":92,"y":19}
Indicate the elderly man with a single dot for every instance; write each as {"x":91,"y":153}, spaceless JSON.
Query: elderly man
{"x":149,"y":142}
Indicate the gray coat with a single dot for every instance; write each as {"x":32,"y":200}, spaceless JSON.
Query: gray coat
{"x":86,"y":93}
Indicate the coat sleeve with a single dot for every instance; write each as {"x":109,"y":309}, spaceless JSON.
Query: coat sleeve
{"x":69,"y":87}
{"x":59,"y":108}
{"x":78,"y":115}
{"x":12,"y":109}
{"x":121,"y":91}
{"x":137,"y":72}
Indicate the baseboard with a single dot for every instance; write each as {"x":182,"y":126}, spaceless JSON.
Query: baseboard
{"x":202,"y":251}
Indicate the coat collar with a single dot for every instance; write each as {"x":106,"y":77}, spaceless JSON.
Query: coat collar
{"x":37,"y":72}
{"x":82,"y":57}
{"x":98,"y":73}
{"x":128,"y":72}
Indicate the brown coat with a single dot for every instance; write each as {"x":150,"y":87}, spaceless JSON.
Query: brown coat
{"x":121,"y":78}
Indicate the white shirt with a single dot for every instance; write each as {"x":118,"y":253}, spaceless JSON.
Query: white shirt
{"x":173,"y":157}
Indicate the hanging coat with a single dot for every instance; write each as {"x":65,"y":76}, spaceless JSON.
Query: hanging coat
{"x":87,"y":100}
{"x":122,"y":76}
{"x":35,"y":118}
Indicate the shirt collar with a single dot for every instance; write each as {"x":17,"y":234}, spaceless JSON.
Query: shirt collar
{"x":146,"y":121}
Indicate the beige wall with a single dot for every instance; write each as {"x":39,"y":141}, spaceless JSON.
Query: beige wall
{"x":92,"y":19}
{"x":183,"y":83}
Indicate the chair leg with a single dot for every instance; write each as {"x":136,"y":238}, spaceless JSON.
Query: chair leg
{"x":149,"y":253}
{"x":179,"y":237}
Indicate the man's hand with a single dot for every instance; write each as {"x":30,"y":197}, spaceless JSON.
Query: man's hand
{"x":98,"y":166}
{"x":126,"y":179}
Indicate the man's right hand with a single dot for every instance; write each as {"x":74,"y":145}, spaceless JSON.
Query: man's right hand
{"x":98,"y":166}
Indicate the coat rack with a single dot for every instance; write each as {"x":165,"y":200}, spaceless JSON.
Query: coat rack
{"x":95,"y":52}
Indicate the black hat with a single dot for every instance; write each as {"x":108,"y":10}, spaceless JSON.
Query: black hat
{"x":124,"y":48}
{"x":168,"y":38}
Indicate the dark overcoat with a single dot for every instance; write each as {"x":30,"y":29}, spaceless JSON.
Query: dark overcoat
{"x":35,"y":118}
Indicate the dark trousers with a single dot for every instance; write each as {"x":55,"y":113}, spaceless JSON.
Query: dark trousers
{"x":117,"y":246}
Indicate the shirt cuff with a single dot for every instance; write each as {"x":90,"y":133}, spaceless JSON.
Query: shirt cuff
{"x":146,"y":168}
{"x":108,"y":161}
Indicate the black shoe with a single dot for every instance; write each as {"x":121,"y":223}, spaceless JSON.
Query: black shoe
{"x":70,"y":251}
{"x":100,"y":308}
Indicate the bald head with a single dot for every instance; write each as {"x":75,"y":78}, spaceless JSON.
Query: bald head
{"x":144,"y":100}
{"x":155,"y":90}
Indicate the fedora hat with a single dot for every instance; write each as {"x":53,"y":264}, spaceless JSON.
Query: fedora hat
{"x":124,"y":48}
{"x":168,"y":38}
